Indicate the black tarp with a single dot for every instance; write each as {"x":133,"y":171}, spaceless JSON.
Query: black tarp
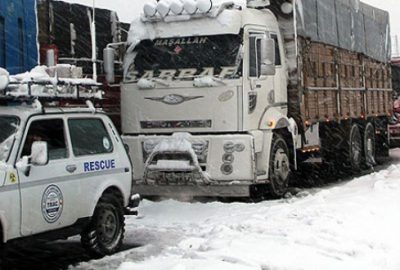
{"x":64,"y":17}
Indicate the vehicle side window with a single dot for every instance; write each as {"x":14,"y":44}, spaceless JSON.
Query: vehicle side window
{"x":50,"y":131}
{"x":255,"y":56}
{"x":89,"y":137}
{"x":278,"y":61}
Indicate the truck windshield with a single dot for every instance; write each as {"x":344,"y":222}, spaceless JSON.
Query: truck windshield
{"x":8,"y":128}
{"x":186,"y":57}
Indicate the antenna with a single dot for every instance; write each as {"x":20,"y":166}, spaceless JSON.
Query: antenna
{"x":93,"y":36}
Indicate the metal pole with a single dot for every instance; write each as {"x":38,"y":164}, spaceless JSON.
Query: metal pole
{"x":93,"y":29}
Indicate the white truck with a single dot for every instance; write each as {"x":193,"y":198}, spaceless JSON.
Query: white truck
{"x":63,"y":171}
{"x":229,"y":100}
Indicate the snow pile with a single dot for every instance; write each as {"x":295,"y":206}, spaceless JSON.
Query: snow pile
{"x":4,"y":78}
{"x":352,"y":225}
{"x":207,"y":81}
{"x":60,"y":80}
{"x":146,"y":84}
{"x":179,"y":143}
{"x":181,"y":165}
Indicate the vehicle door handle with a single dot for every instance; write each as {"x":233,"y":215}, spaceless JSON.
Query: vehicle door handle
{"x":71,"y":168}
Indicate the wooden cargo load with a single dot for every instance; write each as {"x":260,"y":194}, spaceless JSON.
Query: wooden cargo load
{"x":341,"y":50}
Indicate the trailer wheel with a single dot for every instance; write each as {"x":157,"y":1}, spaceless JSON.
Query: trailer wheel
{"x":279,"y":167}
{"x":355,"y":150}
{"x":369,"y":145}
{"x":105,"y":233}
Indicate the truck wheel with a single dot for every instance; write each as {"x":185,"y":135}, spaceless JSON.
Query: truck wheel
{"x":354,"y":156}
{"x":369,"y":145}
{"x":105,"y":233}
{"x":279,"y":167}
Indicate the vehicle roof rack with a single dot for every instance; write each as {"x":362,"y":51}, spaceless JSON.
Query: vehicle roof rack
{"x":52,"y":93}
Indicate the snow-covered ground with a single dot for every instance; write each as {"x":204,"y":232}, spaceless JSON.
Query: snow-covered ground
{"x":349,"y":225}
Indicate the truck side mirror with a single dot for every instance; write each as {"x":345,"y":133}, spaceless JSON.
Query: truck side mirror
{"x":4,"y":79}
{"x":39,"y":153}
{"x":109,"y":58}
{"x":267,"y":57}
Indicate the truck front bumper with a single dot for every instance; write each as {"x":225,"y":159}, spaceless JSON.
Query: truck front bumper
{"x":242,"y":190}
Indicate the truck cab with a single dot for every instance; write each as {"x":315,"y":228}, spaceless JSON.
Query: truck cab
{"x":63,"y":171}
{"x":206,"y":97}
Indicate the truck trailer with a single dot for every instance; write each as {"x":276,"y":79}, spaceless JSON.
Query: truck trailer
{"x":231,"y":100}
{"x":18,"y":28}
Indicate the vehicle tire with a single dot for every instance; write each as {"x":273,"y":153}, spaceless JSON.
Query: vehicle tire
{"x":105,"y":232}
{"x":354,"y":151}
{"x":369,"y":146}
{"x":279,"y":167}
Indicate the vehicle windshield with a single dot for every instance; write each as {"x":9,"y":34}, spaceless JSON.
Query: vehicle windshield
{"x":187,"y":57}
{"x":8,"y":128}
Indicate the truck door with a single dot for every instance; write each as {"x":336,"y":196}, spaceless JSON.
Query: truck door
{"x":281,"y":77}
{"x":258,"y":90}
{"x":49,"y":195}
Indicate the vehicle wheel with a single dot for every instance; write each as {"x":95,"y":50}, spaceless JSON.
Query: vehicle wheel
{"x":354,"y":151}
{"x":369,"y":145}
{"x":279,"y":167}
{"x":105,"y":232}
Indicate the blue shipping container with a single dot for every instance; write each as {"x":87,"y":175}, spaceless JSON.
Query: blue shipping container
{"x":18,"y":35}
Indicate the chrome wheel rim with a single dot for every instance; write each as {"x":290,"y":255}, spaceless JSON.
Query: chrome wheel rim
{"x":281,"y":166}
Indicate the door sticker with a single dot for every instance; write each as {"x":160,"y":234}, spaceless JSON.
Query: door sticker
{"x":106,"y":143}
{"x":52,"y":204}
{"x":13,"y":178}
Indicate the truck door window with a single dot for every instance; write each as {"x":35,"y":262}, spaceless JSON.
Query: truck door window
{"x":278,"y":61}
{"x":255,"y":56}
{"x":89,"y":137}
{"x":50,"y":131}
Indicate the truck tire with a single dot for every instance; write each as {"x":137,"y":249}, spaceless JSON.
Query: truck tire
{"x":279,"y":167}
{"x":354,"y":151}
{"x":369,"y":146}
{"x":105,"y":232}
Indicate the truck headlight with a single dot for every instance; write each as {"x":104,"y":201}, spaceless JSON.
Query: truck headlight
{"x":228,"y":158}
{"x":227,"y":169}
{"x":239,"y":147}
{"x":199,"y":148}
{"x":229,"y":147}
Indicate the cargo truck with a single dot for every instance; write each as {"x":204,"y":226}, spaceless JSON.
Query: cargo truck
{"x":231,"y":100}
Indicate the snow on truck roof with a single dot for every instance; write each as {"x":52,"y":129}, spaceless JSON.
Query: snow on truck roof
{"x":227,"y":18}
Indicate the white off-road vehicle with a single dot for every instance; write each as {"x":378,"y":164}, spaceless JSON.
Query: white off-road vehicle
{"x":63,"y":172}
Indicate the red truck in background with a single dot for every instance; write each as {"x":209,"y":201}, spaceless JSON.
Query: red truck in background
{"x":394,"y":126}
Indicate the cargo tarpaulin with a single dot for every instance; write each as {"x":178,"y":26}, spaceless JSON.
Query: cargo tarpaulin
{"x":348,"y":24}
